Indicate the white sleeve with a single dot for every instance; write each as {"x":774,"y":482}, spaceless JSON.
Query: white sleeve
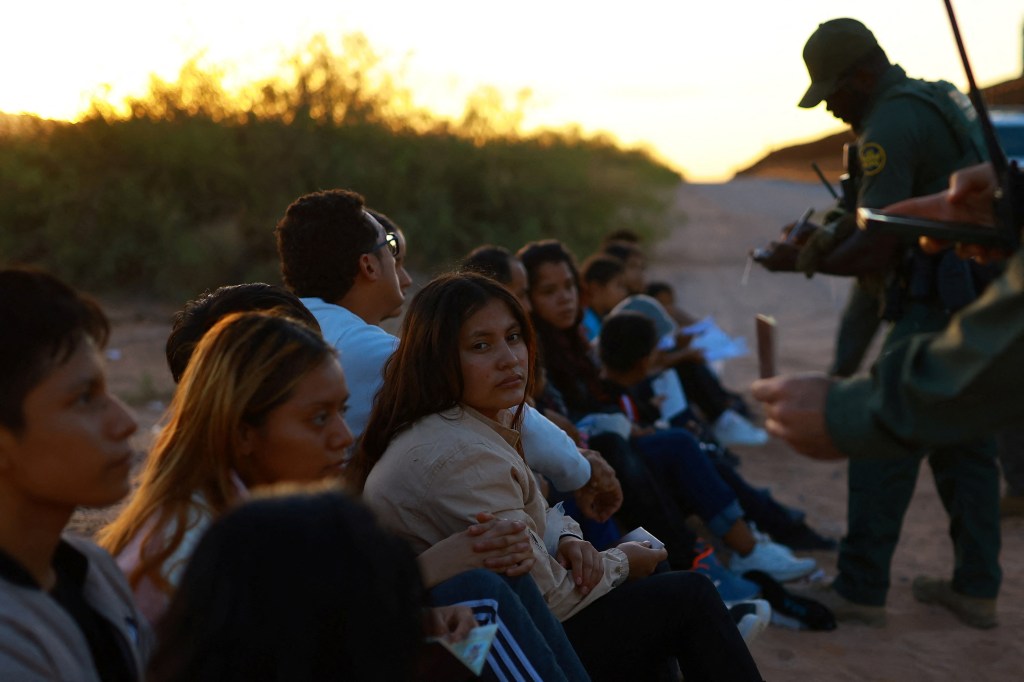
{"x":550,"y":452}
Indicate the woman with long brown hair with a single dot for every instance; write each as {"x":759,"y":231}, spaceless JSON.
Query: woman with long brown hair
{"x":442,"y":444}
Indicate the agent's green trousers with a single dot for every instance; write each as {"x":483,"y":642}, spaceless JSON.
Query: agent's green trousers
{"x":967,"y":479}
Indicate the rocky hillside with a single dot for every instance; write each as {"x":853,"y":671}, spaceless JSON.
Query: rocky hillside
{"x":794,"y":162}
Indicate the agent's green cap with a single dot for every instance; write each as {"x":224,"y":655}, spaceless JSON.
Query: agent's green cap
{"x":837,"y":45}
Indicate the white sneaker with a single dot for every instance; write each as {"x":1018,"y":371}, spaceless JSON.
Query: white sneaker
{"x":773,"y":559}
{"x":751,"y":618}
{"x":731,"y":428}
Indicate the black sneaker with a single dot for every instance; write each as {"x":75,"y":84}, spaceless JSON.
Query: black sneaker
{"x":808,"y":613}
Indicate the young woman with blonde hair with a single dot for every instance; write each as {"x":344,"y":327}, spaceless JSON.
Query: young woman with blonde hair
{"x":261,"y":401}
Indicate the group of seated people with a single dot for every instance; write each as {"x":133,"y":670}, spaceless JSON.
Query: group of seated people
{"x":323,"y":496}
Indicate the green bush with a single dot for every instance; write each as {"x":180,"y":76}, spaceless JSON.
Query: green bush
{"x":181,"y":189}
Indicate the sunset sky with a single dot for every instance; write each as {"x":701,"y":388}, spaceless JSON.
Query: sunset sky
{"x":709,"y":87}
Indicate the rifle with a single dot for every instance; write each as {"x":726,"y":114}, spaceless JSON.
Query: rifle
{"x":1008,"y":203}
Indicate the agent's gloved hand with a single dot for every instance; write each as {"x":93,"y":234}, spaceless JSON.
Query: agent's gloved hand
{"x":798,"y":233}
{"x":777,"y":256}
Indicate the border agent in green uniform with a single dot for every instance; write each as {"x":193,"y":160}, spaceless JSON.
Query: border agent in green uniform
{"x":930,"y":389}
{"x":912,"y":135}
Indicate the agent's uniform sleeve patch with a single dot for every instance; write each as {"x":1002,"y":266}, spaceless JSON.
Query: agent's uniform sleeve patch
{"x":872,"y":158}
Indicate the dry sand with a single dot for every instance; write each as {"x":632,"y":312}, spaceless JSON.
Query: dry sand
{"x":704,"y":259}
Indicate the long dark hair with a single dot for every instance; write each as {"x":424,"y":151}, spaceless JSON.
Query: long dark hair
{"x":302,"y":587}
{"x":564,"y":353}
{"x":424,"y":376}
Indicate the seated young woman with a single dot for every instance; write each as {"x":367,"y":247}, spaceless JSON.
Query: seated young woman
{"x":66,"y":611}
{"x":261,"y":402}
{"x":441,"y":444}
{"x":644,"y":502}
{"x":674,"y":455}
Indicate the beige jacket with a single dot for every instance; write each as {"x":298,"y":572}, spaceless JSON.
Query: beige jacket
{"x":437,"y":475}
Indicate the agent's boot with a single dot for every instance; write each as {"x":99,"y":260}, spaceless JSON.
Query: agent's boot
{"x":974,"y":611}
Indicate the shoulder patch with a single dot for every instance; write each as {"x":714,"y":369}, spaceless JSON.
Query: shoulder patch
{"x":872,"y":158}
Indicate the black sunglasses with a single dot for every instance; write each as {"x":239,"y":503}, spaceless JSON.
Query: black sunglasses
{"x":390,"y":241}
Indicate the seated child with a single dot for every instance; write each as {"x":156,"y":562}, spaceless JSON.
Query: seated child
{"x":625,"y":350}
{"x":601,"y":289}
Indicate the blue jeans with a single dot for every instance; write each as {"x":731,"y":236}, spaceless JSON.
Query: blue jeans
{"x":674,"y":455}
{"x":531,"y":643}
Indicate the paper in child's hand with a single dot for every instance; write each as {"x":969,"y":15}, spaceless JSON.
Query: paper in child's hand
{"x":472,"y":650}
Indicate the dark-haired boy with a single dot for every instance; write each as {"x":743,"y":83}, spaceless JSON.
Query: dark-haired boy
{"x":627,"y":351}
{"x":719,"y":407}
{"x":66,"y":611}
{"x":200,"y":314}
{"x":601,"y":289}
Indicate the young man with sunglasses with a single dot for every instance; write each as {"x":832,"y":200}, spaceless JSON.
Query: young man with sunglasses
{"x":341,"y":263}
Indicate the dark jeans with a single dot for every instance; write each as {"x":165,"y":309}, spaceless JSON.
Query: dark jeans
{"x":646,"y":502}
{"x":631,"y":632}
{"x":709,"y":487}
{"x":758,"y":504}
{"x":531,"y":643}
{"x":675,"y":456}
{"x":703,"y":389}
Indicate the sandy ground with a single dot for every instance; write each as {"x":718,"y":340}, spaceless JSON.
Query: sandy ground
{"x":705,"y":259}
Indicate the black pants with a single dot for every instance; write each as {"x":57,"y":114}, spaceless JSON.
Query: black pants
{"x":631,"y":632}
{"x":645,"y":502}
{"x":704,"y":390}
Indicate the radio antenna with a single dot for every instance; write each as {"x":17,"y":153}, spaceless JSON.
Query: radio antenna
{"x":1009,"y":197}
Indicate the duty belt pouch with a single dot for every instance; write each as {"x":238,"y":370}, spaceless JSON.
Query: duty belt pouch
{"x":954,"y":282}
{"x":959,"y":282}
{"x":892,"y":302}
{"x":921,"y":283}
{"x":912,"y":281}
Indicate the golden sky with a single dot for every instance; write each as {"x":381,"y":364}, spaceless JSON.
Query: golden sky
{"x":710,"y":87}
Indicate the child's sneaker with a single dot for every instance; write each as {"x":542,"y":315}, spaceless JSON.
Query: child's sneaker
{"x":731,"y":587}
{"x":751,"y":618}
{"x":774,"y":559}
{"x":732,"y":429}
